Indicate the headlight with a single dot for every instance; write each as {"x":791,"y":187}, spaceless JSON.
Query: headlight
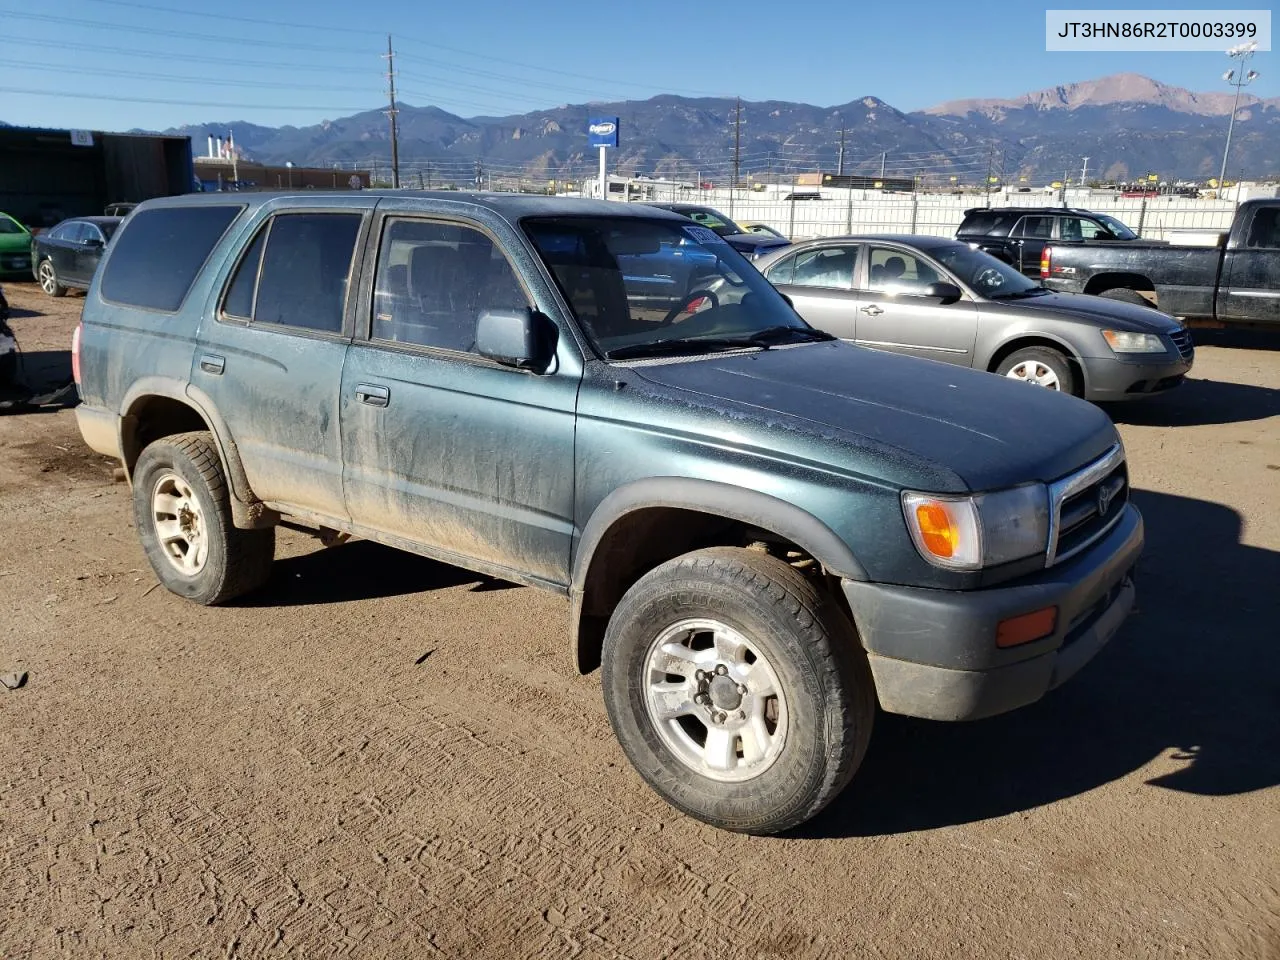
{"x":985,"y":530}
{"x":1122,"y":341}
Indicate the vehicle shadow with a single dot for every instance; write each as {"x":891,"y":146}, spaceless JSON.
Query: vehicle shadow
{"x":44,"y":383}
{"x":1199,"y":403}
{"x":359,"y":570}
{"x":17,"y":313}
{"x":1236,"y":339}
{"x":1193,"y":676}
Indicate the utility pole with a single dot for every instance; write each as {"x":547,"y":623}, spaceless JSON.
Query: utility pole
{"x":391,"y":115}
{"x":991,"y":155}
{"x":1084,"y":173}
{"x":737,"y":155}
{"x":1239,"y":79}
{"x":883,"y":157}
{"x":840,"y":161}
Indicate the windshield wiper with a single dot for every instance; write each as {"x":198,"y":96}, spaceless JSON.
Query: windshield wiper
{"x":763,"y":339}
{"x":1019,"y":294}
{"x":774,"y":335}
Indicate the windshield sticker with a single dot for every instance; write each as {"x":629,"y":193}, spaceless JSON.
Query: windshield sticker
{"x":703,"y":235}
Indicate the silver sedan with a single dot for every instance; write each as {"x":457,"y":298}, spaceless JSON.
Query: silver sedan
{"x":941,"y":299}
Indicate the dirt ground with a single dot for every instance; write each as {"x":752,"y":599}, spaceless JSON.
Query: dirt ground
{"x":381,"y":756}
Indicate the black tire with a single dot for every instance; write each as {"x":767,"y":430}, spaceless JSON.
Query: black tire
{"x":237,"y":561}
{"x":1054,"y":360}
{"x":1125,"y":295}
{"x":820,"y":669}
{"x":47,"y":276}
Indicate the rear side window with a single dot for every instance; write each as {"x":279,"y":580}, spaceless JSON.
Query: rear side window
{"x":157,"y":258}
{"x":1039,"y":228}
{"x":296,"y":272}
{"x":781,"y":272}
{"x":989,"y":223}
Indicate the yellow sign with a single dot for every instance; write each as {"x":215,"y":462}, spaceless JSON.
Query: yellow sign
{"x":1152,"y":177}
{"x":1022,"y":179}
{"x":1057,"y":184}
{"x":993,"y":179}
{"x":954,"y":179}
{"x":879,"y":184}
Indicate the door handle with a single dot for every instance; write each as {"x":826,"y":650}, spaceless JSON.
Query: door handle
{"x":210,"y":363}
{"x":373,"y":395}
{"x":872,"y":311}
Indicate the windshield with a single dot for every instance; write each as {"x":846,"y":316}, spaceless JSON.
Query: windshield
{"x":9,"y":225}
{"x":712,"y":220}
{"x":657,"y":287}
{"x":1115,"y":226}
{"x":981,"y":272}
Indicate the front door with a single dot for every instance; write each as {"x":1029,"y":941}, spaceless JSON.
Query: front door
{"x":1250,"y":285}
{"x":442,"y":447}
{"x":88,"y":252}
{"x":271,"y":356}
{"x":895,"y":315}
{"x":819,"y":281}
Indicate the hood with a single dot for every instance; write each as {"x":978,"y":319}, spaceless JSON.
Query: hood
{"x":986,"y":432}
{"x":1103,"y":313}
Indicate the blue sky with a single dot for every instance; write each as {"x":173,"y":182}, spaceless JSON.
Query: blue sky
{"x":166,"y":67}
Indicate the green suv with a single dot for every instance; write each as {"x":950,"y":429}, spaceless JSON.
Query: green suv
{"x":763,"y":534}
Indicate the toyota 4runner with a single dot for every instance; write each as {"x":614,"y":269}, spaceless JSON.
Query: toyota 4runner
{"x":762,"y":532}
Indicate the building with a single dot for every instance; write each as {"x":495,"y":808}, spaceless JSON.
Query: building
{"x":49,"y":175}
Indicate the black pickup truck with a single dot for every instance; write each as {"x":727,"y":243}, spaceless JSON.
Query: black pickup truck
{"x":1236,"y":282}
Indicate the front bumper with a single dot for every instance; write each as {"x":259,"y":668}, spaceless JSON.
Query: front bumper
{"x":933,"y":653}
{"x":1109,"y":379}
{"x":15,"y":265}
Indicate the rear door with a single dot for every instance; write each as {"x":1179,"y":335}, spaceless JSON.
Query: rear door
{"x":1028,"y":241}
{"x":894,"y":315}
{"x":270,"y":357}
{"x":444,"y":448}
{"x":88,"y":252}
{"x":819,"y":281}
{"x":1250,"y":285}
{"x":62,"y":246}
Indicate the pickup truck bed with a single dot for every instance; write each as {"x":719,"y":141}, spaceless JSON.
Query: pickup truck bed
{"x":1236,"y":283}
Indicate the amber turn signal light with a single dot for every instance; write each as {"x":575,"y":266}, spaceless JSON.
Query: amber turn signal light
{"x":1027,"y":627}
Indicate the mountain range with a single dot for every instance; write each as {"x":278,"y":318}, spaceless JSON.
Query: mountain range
{"x":1128,"y":125}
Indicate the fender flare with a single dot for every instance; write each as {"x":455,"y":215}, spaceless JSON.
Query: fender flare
{"x":247,"y":510}
{"x":703,"y":496}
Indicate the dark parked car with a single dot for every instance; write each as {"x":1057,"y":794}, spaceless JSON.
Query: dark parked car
{"x":1017,"y":235}
{"x":67,"y":256}
{"x":750,"y":245}
{"x":761,"y":532}
{"x":15,"y":248}
{"x":1236,"y":282}
{"x":941,"y":299}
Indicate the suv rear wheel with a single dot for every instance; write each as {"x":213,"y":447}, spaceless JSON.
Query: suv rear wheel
{"x":183,"y":514}
{"x":737,"y":689}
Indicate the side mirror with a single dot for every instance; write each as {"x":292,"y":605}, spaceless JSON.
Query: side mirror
{"x":93,"y":243}
{"x":946,"y":292}
{"x":790,"y":303}
{"x":515,"y":338}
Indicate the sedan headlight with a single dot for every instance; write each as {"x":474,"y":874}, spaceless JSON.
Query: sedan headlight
{"x":982,"y":530}
{"x":1124,"y":341}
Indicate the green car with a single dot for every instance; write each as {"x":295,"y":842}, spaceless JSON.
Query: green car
{"x":15,"y":248}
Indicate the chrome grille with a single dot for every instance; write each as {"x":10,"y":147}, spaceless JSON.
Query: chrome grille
{"x":1086,"y":505}
{"x":1182,"y":340}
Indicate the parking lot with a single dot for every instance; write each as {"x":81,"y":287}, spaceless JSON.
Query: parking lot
{"x":378,"y":755}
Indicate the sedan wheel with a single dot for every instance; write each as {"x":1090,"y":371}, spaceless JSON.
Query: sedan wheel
{"x":49,"y":279}
{"x":1034,"y":371}
{"x":1042,"y":366}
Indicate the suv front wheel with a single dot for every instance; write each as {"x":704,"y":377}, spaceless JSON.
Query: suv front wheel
{"x":183,"y":514}
{"x":737,"y":689}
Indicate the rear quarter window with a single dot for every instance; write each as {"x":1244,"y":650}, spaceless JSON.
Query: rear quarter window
{"x":992,"y":223}
{"x":159,"y":253}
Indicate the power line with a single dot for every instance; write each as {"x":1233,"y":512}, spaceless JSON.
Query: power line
{"x":211,"y":81}
{"x":328,"y":108}
{"x":131,"y":53}
{"x":292,"y":25}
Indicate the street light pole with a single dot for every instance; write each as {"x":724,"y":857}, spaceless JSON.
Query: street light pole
{"x":1239,"y":79}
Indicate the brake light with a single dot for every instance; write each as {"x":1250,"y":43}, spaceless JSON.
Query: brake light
{"x":75,"y":354}
{"x":1046,"y":263}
